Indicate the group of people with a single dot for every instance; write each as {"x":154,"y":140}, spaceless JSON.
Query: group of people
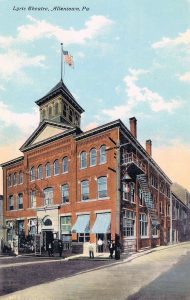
{"x":100,"y":245}
{"x":51,"y":247}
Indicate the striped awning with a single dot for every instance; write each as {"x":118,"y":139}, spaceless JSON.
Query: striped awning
{"x":102,"y":223}
{"x":82,"y":224}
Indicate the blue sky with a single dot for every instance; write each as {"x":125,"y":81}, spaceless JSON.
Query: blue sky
{"x":132,"y":58}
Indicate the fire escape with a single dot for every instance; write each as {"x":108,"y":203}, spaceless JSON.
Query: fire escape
{"x":136,"y":169}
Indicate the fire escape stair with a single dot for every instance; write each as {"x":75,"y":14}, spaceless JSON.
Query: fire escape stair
{"x":148,"y":199}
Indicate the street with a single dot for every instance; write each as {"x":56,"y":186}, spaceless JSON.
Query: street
{"x":161,"y":274}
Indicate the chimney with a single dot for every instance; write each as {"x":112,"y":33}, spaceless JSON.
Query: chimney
{"x":149,"y":147}
{"x":133,"y":126}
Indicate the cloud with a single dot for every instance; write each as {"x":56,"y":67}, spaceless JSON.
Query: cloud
{"x":177,"y":166}
{"x":2,"y":88}
{"x":25,"y":122}
{"x":38,"y":29}
{"x":14,"y":61}
{"x":184,"y":77}
{"x":136,"y":95}
{"x":90,"y":126}
{"x":181,"y":39}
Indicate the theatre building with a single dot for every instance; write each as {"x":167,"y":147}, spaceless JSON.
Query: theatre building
{"x":81,"y":186}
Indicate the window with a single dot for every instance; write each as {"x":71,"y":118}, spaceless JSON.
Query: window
{"x":11,"y":203}
{"x":102,"y":187}
{"x":48,"y":170}
{"x":56,"y":167}
{"x":50,"y":111}
{"x":65,"y":193}
{"x":126,"y":191}
{"x":40,"y":172}
{"x":93,"y":157}
{"x":140,"y":196}
{"x":129,"y":223}
{"x":14,"y":179}
{"x":65,"y":223}
{"x":84,"y":190}
{"x":143,"y":225}
{"x":64,"y":109}
{"x":154,"y":230}
{"x":32,"y":226}
{"x":43,"y":114}
{"x":20,"y":201}
{"x":48,"y":196}
{"x":9,"y":180}
{"x":70,"y":115}
{"x":56,"y":108}
{"x":32,"y":199}
{"x":102,"y":154}
{"x":83,"y":160}
{"x":32,"y":174}
{"x":20,"y":177}
{"x":65,"y":165}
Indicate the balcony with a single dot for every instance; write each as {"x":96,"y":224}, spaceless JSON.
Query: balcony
{"x":133,"y":164}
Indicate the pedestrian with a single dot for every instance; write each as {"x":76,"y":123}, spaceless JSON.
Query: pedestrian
{"x":111,"y":248}
{"x":100,"y":245}
{"x":60,"y":247}
{"x":91,"y":250}
{"x":50,"y":249}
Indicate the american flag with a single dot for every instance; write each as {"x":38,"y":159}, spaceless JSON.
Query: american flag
{"x":68,"y":58}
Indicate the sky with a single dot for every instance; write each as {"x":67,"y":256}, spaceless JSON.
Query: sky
{"x":131,"y":58}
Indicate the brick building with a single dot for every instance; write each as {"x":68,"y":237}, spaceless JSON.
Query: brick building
{"x":78,"y":186}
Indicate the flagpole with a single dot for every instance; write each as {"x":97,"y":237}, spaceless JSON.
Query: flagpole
{"x":61,"y":61}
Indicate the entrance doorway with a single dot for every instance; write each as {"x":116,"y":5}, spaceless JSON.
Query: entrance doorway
{"x":47,"y":238}
{"x":105,"y":237}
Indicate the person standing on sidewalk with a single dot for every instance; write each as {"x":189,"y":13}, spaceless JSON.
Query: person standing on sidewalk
{"x":60,"y":247}
{"x":100,"y":245}
{"x":91,"y":250}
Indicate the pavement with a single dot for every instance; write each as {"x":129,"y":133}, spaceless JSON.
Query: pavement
{"x":106,"y":282}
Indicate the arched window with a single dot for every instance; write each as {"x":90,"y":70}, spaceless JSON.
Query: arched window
{"x":93,"y":157}
{"x":48,"y":196}
{"x":9,"y":180}
{"x":65,"y":164}
{"x":20,"y":177}
{"x":48,"y":170}
{"x":56,"y":108}
{"x":56,"y":167}
{"x":84,"y":190}
{"x":32,"y":174}
{"x":48,"y":222}
{"x":50,"y":111}
{"x":14,"y":179}
{"x":102,"y":154}
{"x":102,"y":187}
{"x":65,"y":193}
{"x":83,"y":160}
{"x":40,"y":172}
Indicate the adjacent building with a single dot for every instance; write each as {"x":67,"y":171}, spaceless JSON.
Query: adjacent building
{"x":81,"y":186}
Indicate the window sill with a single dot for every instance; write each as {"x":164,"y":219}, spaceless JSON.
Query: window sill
{"x":144,"y":237}
{"x":91,"y":200}
{"x":65,"y":203}
{"x":66,"y":172}
{"x":103,"y":163}
{"x":155,"y":236}
{"x":83,"y":168}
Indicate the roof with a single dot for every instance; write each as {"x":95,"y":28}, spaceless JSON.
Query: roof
{"x":181,"y":193}
{"x":12,"y":162}
{"x":60,"y":88}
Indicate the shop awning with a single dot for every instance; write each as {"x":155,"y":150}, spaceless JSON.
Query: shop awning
{"x":82,"y":224}
{"x":102,"y":223}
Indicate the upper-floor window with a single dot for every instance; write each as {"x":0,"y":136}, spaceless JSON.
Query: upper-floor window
{"x":32,"y":199}
{"x":102,"y":154}
{"x":32,"y":174}
{"x":14,"y":179}
{"x":102,"y":187}
{"x":9,"y":180}
{"x":40,"y":172}
{"x":43,"y":114}
{"x":140,"y":194}
{"x":50,"y":111}
{"x":70,"y":115}
{"x":143,"y":224}
{"x":20,"y":201}
{"x":20,"y":177}
{"x":93,"y":157}
{"x":48,"y":196}
{"x":65,"y":193}
{"x":48,"y":170}
{"x":85,"y":190}
{"x":83,"y":160}
{"x":64,"y":109}
{"x":65,"y":165}
{"x":11,"y":202}
{"x":56,"y":167}
{"x":56,"y":108}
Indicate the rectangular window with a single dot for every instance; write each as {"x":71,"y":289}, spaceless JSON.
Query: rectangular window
{"x":20,"y":201}
{"x":9,"y":180}
{"x":65,"y":193}
{"x":143,"y":225}
{"x":83,"y":237}
{"x":154,"y":231}
{"x":102,"y":187}
{"x":129,"y":223}
{"x":65,"y":223}
{"x":84,"y":190}
{"x":32,"y":226}
{"x":11,"y":203}
{"x":32,"y":199}
{"x":48,"y":196}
